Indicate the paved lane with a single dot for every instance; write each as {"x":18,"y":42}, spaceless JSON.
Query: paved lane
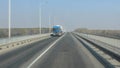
{"x":68,"y":53}
{"x":18,"y":57}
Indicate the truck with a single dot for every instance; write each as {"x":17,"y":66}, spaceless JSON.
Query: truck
{"x":57,"y":30}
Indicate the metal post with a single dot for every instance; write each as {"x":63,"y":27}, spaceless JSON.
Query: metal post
{"x":40,"y":21}
{"x":9,"y":22}
{"x":49,"y":24}
{"x":53,"y":20}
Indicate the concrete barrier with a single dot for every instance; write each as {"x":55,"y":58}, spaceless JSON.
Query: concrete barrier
{"x":24,"y":41}
{"x":105,"y":56}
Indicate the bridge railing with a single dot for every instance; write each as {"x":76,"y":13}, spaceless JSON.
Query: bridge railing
{"x":103,"y":44}
{"x":6,"y":43}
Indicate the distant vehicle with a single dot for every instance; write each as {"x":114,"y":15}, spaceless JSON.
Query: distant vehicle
{"x":57,"y":30}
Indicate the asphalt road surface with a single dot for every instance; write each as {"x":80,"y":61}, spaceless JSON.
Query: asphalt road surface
{"x":54,"y":52}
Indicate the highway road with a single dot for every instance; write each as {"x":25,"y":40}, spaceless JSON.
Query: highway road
{"x":53,"y":52}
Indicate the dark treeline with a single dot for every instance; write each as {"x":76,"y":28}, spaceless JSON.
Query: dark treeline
{"x":106,"y":33}
{"x":22,"y":31}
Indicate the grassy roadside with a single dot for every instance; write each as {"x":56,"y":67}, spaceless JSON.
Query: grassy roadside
{"x":21,"y":31}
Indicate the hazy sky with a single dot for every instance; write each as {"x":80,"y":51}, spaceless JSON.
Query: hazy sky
{"x":71,"y":14}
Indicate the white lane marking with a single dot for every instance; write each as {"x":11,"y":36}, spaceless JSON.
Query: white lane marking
{"x":30,"y":65}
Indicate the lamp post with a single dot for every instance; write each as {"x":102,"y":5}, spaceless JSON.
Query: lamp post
{"x":40,"y":20}
{"x":49,"y":24}
{"x":40,"y":16}
{"x":9,"y":19}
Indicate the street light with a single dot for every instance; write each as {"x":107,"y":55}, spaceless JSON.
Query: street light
{"x":9,"y":19}
{"x":49,"y":24}
{"x":40,"y":20}
{"x":40,"y":17}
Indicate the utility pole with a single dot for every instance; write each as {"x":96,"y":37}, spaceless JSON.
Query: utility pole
{"x":40,"y":17}
{"x":49,"y":24}
{"x":40,"y":20}
{"x":9,"y":19}
{"x":53,"y":20}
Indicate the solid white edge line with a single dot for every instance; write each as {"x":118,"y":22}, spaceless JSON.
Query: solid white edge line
{"x":30,"y":65}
